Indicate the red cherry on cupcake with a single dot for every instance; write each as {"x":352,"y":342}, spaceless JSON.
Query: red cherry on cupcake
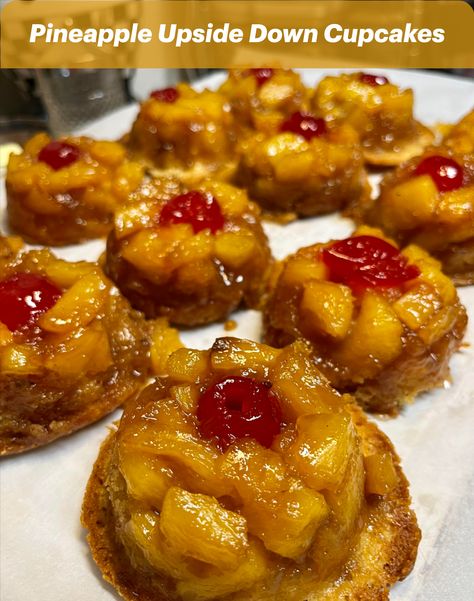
{"x":58,"y":154}
{"x":304,"y":125}
{"x":373,"y":80}
{"x":239,"y":407}
{"x":23,"y":298}
{"x":168,"y":95}
{"x":367,"y":262}
{"x":262,"y":75}
{"x":200,"y":210}
{"x":446,"y":173}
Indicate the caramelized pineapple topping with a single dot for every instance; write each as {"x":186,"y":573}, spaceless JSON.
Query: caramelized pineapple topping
{"x":239,"y":468}
{"x":378,"y":110}
{"x":304,"y":166}
{"x":380,"y":322}
{"x":261,"y":98}
{"x":429,"y":201}
{"x":63,"y":192}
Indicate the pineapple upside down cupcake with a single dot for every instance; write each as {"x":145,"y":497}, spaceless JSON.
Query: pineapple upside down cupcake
{"x":190,"y":255}
{"x":186,"y":132}
{"x":261,"y":98}
{"x":71,"y":348}
{"x":308,"y":167}
{"x":378,"y":110}
{"x":381,"y":322}
{"x":66,"y":191}
{"x":244,"y":476}
{"x":429,"y":201}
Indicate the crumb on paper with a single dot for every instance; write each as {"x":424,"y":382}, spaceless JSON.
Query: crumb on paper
{"x":230,"y":325}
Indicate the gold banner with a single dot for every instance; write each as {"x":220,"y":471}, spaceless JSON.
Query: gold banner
{"x":196,"y":34}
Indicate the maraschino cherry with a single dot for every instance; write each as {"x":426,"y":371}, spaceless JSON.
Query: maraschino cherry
{"x":201,"y":211}
{"x":304,"y":125}
{"x":239,"y":407}
{"x":373,"y":80}
{"x":59,"y":154}
{"x":446,"y":173}
{"x":168,"y":95}
{"x":367,"y":262}
{"x":262,"y":75}
{"x":23,"y":298}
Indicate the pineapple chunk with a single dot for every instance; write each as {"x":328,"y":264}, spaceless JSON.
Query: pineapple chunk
{"x":235,"y":249}
{"x":215,"y":586}
{"x":85,"y":351}
{"x":197,"y":526}
{"x":252,"y":470}
{"x":20,"y":359}
{"x":133,"y":217}
{"x":165,"y":341}
{"x":192,"y":249}
{"x":440,"y":325}
{"x":375,"y":339}
{"x":150,"y":251}
{"x":143,"y":530}
{"x":232,"y":201}
{"x":417,"y":306}
{"x":65,"y":274}
{"x":330,"y":549}
{"x":302,"y":269}
{"x":431,"y":272}
{"x":456,"y":206}
{"x":107,"y":152}
{"x":286,"y":521}
{"x":78,"y":306}
{"x":299,"y":386}
{"x":192,"y":278}
{"x":294,"y":167}
{"x":380,"y":474}
{"x":6,"y":337}
{"x":326,"y":308}
{"x":235,"y":356}
{"x":411,"y":203}
{"x":322,"y":449}
{"x":167,"y":433}
{"x":148,"y":478}
{"x":186,"y":396}
{"x":188,"y":366}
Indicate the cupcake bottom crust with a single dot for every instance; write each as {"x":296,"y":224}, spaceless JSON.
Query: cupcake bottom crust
{"x":384,"y":552}
{"x":73,"y":226}
{"x":38,"y":409}
{"x":458,"y":262}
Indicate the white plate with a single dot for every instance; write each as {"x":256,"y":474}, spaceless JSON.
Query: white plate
{"x":43,"y":553}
